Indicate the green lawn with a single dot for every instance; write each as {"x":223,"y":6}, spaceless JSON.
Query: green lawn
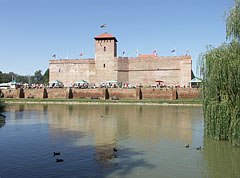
{"x":179,"y":101}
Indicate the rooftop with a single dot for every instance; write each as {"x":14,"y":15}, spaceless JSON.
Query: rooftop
{"x":105,"y":36}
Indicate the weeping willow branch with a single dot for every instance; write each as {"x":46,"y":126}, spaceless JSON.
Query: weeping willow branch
{"x":220,"y":69}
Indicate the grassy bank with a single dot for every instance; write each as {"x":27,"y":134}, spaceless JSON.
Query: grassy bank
{"x":133,"y":101}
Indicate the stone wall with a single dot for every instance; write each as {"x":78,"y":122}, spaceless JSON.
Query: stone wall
{"x":141,"y":70}
{"x":103,"y":93}
{"x":121,"y":93}
{"x":10,"y":93}
{"x":147,"y":70}
{"x":58,"y":93}
{"x":98,"y":93}
{"x":122,"y":69}
{"x":34,"y":93}
{"x":187,"y":93}
{"x":71,"y":70}
{"x":105,"y":60}
{"x":144,"y":70}
{"x":162,"y":94}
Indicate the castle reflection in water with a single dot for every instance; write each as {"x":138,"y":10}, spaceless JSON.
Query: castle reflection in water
{"x":107,"y":125}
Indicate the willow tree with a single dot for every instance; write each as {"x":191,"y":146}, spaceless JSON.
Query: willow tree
{"x":233,"y":22}
{"x":220,"y":69}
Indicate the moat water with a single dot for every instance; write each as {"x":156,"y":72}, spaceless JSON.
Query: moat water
{"x":150,"y":142}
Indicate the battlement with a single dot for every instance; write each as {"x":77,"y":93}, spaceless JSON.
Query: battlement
{"x":72,"y":61}
{"x":154,"y":58}
{"x":145,"y":69}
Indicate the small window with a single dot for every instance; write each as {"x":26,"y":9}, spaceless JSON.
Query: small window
{"x":59,"y":70}
{"x":104,"y":48}
{"x":103,"y":65}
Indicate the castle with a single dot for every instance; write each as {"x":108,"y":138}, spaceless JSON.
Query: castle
{"x":143,"y":70}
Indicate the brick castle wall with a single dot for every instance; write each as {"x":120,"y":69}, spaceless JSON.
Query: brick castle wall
{"x":34,"y":93}
{"x":69,"y":71}
{"x":162,"y":94}
{"x":145,"y":71}
{"x":103,"y":93}
{"x":105,"y":65}
{"x":188,"y":93}
{"x":134,"y":71}
{"x":122,"y":93}
{"x":57,"y":93}
{"x":10,"y":93}
{"x":99,"y":93}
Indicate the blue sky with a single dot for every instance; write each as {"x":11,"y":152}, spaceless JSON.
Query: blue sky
{"x":32,"y":30}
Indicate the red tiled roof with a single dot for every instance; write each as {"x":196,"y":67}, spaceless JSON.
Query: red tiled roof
{"x":105,"y":36}
{"x":148,"y":55}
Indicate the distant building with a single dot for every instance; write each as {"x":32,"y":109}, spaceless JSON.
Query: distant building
{"x":143,"y":70}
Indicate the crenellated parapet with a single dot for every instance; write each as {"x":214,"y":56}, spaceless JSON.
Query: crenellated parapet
{"x":155,"y":58}
{"x":72,"y":61}
{"x":144,"y":70}
{"x":152,"y":62}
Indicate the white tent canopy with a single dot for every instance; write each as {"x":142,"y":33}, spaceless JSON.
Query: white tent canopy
{"x":80,"y":82}
{"x":112,"y":81}
{"x":196,"y":80}
{"x":54,"y":81}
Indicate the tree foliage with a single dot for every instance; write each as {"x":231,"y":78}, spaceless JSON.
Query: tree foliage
{"x":36,"y":78}
{"x":233,"y":22}
{"x":221,"y":92}
{"x":46,"y":77}
{"x":8,"y":77}
{"x":220,"y":69}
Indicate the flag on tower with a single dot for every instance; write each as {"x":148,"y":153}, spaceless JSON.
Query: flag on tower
{"x":137,"y":53}
{"x":187,"y":52}
{"x":154,"y":51}
{"x":173,"y":50}
{"x":80,"y":54}
{"x":54,"y":55}
{"x":104,"y":25}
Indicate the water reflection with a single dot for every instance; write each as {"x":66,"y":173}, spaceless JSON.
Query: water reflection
{"x":2,"y":123}
{"x":222,"y":159}
{"x":149,"y":140}
{"x":2,"y":120}
{"x":108,"y":122}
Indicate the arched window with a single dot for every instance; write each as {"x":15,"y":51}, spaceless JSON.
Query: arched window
{"x":103,"y":65}
{"x":104,"y":49}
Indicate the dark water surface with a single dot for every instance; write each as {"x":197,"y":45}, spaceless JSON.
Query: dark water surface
{"x":150,"y":141}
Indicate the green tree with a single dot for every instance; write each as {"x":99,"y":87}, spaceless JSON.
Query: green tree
{"x":233,"y":22}
{"x":220,"y":69}
{"x":46,"y":77}
{"x":38,"y":78}
{"x":22,"y":78}
{"x":4,"y":77}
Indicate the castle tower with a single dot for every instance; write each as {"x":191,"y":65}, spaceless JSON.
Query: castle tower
{"x":105,"y":57}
